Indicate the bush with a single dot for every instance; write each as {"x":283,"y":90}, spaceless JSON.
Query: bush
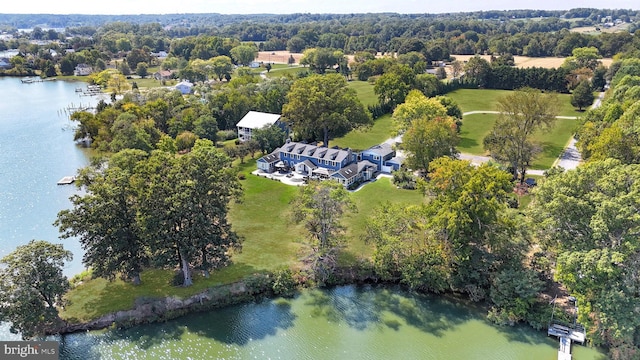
{"x":242,"y":176}
{"x":404,"y":179}
{"x":284,"y":284}
{"x":224,"y":135}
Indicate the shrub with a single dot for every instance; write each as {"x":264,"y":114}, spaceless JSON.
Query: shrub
{"x":284,"y":284}
{"x":224,"y":135}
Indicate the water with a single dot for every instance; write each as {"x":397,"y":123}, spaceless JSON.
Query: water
{"x":36,"y":150}
{"x":347,"y":322}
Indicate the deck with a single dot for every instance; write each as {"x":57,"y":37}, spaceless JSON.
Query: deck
{"x":67,"y":180}
{"x":564,"y":350}
{"x":576,"y":334}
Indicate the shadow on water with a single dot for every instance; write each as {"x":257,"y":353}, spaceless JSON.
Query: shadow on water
{"x":241,"y":324}
{"x":360,"y":308}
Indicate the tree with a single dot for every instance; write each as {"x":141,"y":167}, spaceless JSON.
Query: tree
{"x":586,"y":220}
{"x":522,"y":113}
{"x":142,"y":69}
{"x":393,"y":86}
{"x":105,"y":220}
{"x":221,"y":66}
{"x":428,"y":139}
{"x":269,"y":138}
{"x":291,"y":60}
{"x":456,"y":68}
{"x":320,"y":206}
{"x":118,"y":84}
{"x":583,"y":57}
{"x":582,"y":95}
{"x":477,"y":70}
{"x":416,"y":106}
{"x":319,"y":106}
{"x":31,"y":286}
{"x":321,"y":59}
{"x":185,"y":205}
{"x":244,"y":54}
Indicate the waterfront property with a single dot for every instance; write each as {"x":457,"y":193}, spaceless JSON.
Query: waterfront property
{"x":342,"y":165}
{"x":256,"y":120}
{"x":82,"y":70}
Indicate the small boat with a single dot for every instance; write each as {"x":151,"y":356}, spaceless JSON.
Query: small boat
{"x":67,"y":180}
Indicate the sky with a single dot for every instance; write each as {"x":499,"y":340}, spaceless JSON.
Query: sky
{"x":118,"y":7}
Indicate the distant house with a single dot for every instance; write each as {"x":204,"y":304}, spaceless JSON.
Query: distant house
{"x":159,"y":54}
{"x":184,"y":87}
{"x":256,"y":120}
{"x":5,"y":63}
{"x":383,"y":156}
{"x":82,"y":70}
{"x":164,"y":75}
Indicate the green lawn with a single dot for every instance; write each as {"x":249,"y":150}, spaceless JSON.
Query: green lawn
{"x":365,"y":92}
{"x":365,"y":138}
{"x":282,"y":70}
{"x":367,"y":199}
{"x":475,"y":127}
{"x":482,"y":99}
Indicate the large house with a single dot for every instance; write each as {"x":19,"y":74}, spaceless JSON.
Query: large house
{"x":256,"y":120}
{"x":342,"y":165}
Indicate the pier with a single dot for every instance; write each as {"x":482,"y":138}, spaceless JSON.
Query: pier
{"x":567,"y":333}
{"x":67,"y":180}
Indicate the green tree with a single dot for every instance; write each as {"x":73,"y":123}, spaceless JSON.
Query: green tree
{"x":428,"y":139}
{"x":31,"y":286}
{"x":582,"y":96}
{"x":186,"y":201}
{"x":522,"y":113}
{"x":321,"y":59}
{"x":105,"y":218}
{"x":415,"y":106}
{"x":321,"y":206}
{"x":477,"y":70}
{"x":221,"y":66}
{"x":269,"y":138}
{"x":244,"y":54}
{"x":118,"y":84}
{"x":586,"y":220}
{"x":142,"y":69}
{"x":393,"y":86}
{"x":319,"y":106}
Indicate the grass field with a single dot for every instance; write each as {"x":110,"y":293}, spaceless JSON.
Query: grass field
{"x":475,"y":127}
{"x":365,"y":92}
{"x":483,"y":99}
{"x":365,"y":138}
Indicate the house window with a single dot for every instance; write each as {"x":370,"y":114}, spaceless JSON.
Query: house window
{"x":376,"y":157}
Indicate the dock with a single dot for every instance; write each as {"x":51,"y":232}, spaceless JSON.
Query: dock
{"x":567,"y":333}
{"x":67,"y":180}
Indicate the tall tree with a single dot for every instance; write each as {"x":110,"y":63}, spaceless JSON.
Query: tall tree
{"x":319,"y":106}
{"x":522,"y":113}
{"x":269,"y":137}
{"x":106,"y":219}
{"x":244,"y":54}
{"x":31,"y":286}
{"x":582,"y":95}
{"x":587,"y":221}
{"x":186,"y":201}
{"x":428,"y":139}
{"x":320,"y":206}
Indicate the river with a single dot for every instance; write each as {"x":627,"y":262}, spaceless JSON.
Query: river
{"x":348,"y":322}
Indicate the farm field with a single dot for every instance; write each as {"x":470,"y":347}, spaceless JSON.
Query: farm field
{"x":525,"y":61}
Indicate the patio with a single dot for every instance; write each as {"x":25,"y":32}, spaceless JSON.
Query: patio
{"x":286,"y":177}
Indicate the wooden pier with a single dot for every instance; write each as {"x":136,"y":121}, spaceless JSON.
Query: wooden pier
{"x":67,"y":180}
{"x":567,"y":333}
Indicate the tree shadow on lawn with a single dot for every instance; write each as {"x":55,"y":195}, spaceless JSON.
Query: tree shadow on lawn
{"x":364,"y":307}
{"x":467,"y":143}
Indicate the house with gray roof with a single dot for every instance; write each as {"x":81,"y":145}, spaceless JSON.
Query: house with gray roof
{"x":383,"y":156}
{"x":256,"y":120}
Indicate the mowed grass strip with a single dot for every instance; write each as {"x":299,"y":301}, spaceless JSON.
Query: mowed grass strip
{"x":365,"y":92}
{"x":361,"y":139}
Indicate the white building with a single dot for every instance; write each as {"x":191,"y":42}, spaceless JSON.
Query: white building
{"x":255,"y":120}
{"x":184,"y":87}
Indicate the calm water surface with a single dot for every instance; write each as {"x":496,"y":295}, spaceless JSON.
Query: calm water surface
{"x":36,"y":150}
